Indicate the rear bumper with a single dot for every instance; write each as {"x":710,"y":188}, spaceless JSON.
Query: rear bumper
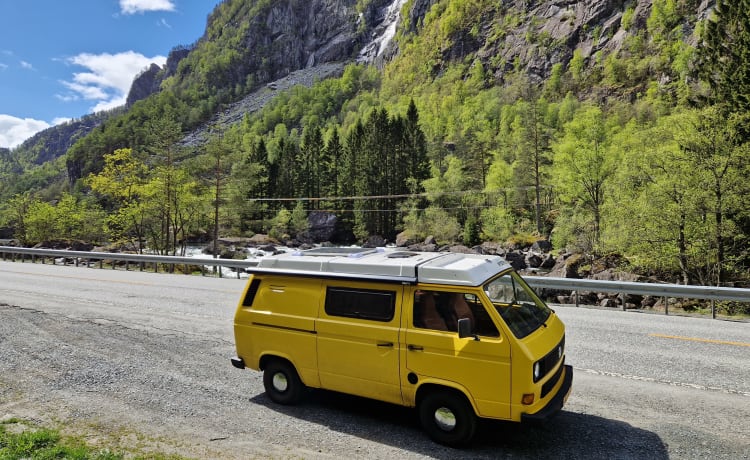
{"x":556,"y":403}
{"x":238,"y":362}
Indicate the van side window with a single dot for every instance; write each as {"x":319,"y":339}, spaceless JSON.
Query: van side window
{"x":250,"y":294}
{"x":361,"y":303}
{"x":441,"y":311}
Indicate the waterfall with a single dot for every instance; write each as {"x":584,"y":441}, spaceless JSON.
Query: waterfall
{"x":383,"y":32}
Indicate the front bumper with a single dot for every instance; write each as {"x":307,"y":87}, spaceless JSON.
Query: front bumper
{"x":237,"y":362}
{"x":556,"y":403}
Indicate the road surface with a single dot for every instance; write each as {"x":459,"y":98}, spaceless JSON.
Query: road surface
{"x":140,"y":361}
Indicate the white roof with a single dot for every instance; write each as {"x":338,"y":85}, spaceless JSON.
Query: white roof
{"x":387,"y":264}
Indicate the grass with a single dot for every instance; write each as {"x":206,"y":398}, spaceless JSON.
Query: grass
{"x":23,"y":440}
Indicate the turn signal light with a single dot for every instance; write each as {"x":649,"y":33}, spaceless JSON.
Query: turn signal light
{"x":527,"y":399}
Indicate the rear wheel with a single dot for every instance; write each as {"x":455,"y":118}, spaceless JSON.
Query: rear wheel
{"x":447,"y":418}
{"x":282,"y":383}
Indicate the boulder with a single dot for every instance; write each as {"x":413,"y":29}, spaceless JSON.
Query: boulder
{"x":533,"y":260}
{"x":541,"y":246}
{"x":608,"y":303}
{"x":374,"y":241}
{"x":321,"y":227}
{"x":548,"y":263}
{"x":492,"y":248}
{"x":460,"y":248}
{"x":260,"y":239}
{"x":648,"y":301}
{"x":516,"y":259}
{"x":405,"y":239}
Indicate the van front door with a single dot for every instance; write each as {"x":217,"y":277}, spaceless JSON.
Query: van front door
{"x":358,"y":347}
{"x":433,"y":351}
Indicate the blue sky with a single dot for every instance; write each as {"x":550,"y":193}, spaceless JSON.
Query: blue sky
{"x":62,"y":59}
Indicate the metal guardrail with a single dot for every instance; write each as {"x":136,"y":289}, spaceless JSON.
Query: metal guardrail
{"x":141,"y":260}
{"x":564,"y":284}
{"x":652,"y":289}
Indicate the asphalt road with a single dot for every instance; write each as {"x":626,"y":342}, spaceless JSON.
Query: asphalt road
{"x":139,"y":361}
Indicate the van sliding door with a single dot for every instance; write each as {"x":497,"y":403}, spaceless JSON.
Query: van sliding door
{"x":358,"y":347}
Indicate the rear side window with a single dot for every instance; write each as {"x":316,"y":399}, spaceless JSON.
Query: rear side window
{"x":250,"y":294}
{"x":369,"y":304}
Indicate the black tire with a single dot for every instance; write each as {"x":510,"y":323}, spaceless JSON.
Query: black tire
{"x":282,"y":383}
{"x":448,"y":418}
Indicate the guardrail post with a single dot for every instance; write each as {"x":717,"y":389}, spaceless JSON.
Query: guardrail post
{"x":624,"y":308}
{"x":666,"y":305}
{"x":713,"y":309}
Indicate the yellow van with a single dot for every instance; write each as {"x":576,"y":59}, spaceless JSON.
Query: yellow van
{"x":455,"y":335}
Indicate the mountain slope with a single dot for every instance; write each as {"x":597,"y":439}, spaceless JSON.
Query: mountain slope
{"x":250,"y":43}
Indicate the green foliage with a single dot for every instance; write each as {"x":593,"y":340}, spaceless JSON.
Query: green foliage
{"x":725,"y":54}
{"x":433,"y":221}
{"x":40,"y":443}
{"x":604,"y":155}
{"x":298,"y":220}
{"x":584,"y":164}
{"x":70,"y":219}
{"x":678,"y":195}
{"x":627,"y":18}
{"x":664,"y":18}
{"x":280,"y":225}
{"x":160,"y":207}
{"x":498,"y":223}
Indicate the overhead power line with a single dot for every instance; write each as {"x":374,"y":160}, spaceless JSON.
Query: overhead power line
{"x":406,"y":195}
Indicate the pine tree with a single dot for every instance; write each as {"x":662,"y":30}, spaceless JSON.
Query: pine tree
{"x":416,"y":146}
{"x":725,"y":55}
{"x":332,"y":166}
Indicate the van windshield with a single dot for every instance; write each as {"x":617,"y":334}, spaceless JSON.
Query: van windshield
{"x":521,"y":309}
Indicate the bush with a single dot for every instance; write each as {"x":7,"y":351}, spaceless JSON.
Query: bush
{"x":734,"y":308}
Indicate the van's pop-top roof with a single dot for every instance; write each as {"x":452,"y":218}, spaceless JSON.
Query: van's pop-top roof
{"x":386,"y":264}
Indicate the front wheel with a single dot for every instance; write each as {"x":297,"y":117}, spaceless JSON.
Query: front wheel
{"x":282,"y":383}
{"x":448,"y":418}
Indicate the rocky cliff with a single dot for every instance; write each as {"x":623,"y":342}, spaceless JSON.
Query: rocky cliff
{"x":282,"y":38}
{"x":149,"y":81}
{"x":272,"y":40}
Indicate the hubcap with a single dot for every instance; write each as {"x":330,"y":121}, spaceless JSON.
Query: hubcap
{"x":445,"y":419}
{"x":279,"y":382}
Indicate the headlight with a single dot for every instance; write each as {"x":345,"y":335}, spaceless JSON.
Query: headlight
{"x":537,"y":371}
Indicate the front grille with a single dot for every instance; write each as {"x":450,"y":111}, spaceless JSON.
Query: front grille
{"x":551,"y":359}
{"x":550,"y":384}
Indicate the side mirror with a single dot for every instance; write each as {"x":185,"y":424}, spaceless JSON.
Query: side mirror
{"x":464,"y":329}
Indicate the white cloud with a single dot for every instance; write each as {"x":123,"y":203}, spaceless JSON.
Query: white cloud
{"x":141,"y":6}
{"x":60,"y":120}
{"x":13,"y":131}
{"x":26,"y":65}
{"x":108,"y":79}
